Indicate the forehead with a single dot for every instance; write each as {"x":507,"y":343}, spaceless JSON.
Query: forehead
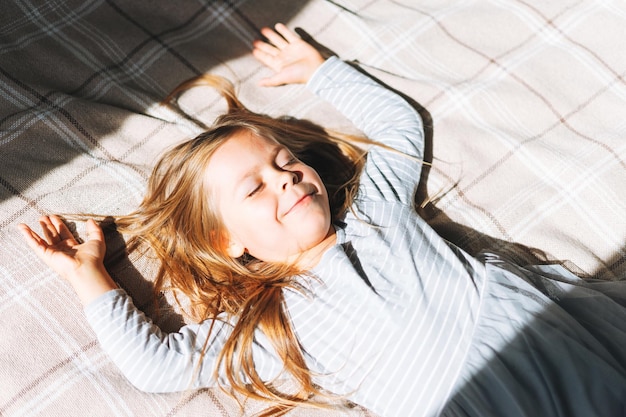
{"x":236,"y":157}
{"x":241,"y":146}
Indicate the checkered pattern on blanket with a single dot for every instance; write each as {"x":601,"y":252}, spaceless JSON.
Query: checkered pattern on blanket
{"x":525,"y":107}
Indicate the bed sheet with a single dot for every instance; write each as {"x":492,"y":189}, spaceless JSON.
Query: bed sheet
{"x":524,"y":106}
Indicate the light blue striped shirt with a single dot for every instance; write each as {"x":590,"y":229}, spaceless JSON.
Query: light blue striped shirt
{"x":393,"y":312}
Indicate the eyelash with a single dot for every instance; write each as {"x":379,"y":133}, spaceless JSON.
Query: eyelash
{"x":256,"y":190}
{"x":292,"y":160}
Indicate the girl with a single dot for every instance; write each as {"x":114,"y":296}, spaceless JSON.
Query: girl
{"x":323,"y":273}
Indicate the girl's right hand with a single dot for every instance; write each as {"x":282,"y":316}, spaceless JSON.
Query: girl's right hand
{"x":81,"y":264}
{"x":292,"y":59}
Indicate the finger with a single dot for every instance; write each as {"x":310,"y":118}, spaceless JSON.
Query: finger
{"x":62,"y":229}
{"x":266,"y":48}
{"x":272,"y":81}
{"x":265,"y":58}
{"x":49,"y":231}
{"x":286,"y":33}
{"x":34,"y":241}
{"x":94,"y":232}
{"x":276,"y":40}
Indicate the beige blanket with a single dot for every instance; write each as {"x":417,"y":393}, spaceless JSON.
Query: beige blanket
{"x":525,"y":104}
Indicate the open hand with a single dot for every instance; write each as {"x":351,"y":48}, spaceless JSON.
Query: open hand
{"x":292,"y":59}
{"x":60,"y":250}
{"x":82,"y":264}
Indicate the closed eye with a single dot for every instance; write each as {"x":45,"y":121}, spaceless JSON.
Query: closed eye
{"x":284,"y":158}
{"x":291,"y":161}
{"x":256,"y":190}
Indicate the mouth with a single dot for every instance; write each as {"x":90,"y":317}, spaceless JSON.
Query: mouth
{"x":302,"y":200}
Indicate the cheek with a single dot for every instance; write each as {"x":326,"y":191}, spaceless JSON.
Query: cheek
{"x":310,"y":175}
{"x":260,"y":234}
{"x":251,"y":222}
{"x":262,"y":209}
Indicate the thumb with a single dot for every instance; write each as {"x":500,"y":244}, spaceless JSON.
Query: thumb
{"x":94,"y":232}
{"x":282,"y":78}
{"x":272,"y":81}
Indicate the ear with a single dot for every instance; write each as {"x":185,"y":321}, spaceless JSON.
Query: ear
{"x":235,"y":249}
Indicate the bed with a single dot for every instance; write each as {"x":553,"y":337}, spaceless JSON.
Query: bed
{"x":524,"y":106}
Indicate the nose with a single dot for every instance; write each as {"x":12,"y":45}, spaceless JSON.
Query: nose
{"x":287,"y":178}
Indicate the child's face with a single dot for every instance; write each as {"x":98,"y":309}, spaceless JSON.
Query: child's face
{"x":273,"y":206}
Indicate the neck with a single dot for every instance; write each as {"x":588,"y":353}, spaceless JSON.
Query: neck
{"x":311,"y":257}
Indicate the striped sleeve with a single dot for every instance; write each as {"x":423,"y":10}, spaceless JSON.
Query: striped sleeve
{"x":155,"y":361}
{"x":152,"y":360}
{"x":382,"y":116}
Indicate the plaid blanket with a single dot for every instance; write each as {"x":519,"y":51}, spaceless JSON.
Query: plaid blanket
{"x":525,"y":107}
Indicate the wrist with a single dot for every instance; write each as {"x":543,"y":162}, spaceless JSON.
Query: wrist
{"x":319,"y":71}
{"x":91,"y":282}
{"x":316,"y":63}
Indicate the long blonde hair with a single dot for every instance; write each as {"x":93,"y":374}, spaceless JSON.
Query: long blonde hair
{"x":179,"y":224}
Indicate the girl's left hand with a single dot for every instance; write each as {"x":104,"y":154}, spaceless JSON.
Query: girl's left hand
{"x":293,"y":60}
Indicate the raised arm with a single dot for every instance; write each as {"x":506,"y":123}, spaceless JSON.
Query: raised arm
{"x":380,"y":113}
{"x":384,"y":117}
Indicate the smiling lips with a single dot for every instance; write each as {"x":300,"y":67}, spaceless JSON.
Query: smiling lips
{"x":300,"y":200}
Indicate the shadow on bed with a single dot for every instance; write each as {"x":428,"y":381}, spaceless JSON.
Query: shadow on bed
{"x":468,"y":239}
{"x":497,"y":386}
{"x":125,"y":273}
{"x":535,"y":370}
{"x":71,"y":74}
{"x":473,"y":241}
